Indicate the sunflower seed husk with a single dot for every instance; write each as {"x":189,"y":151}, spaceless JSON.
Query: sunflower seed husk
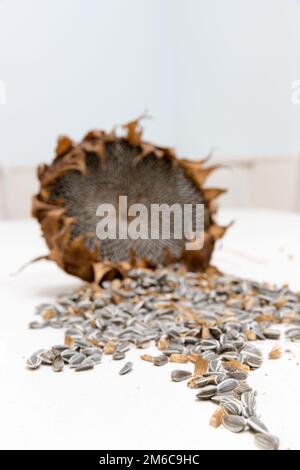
{"x":266,"y":441}
{"x":216,"y":419}
{"x":147,"y":357}
{"x":126,"y":368}
{"x":234,"y":423}
{"x":201,"y":366}
{"x":276,"y":352}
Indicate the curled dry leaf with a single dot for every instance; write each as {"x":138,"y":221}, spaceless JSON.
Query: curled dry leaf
{"x":85,"y":174}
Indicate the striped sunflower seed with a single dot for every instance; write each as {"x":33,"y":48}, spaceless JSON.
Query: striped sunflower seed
{"x":160,"y":360}
{"x":266,"y":441}
{"x":257,"y":425}
{"x":227,"y":385}
{"x":234,"y":423}
{"x":58,"y":364}
{"x":207,"y":392}
{"x":118,"y":356}
{"x":34,"y":362}
{"x":85,"y":365}
{"x":126,"y":368}
{"x":76,"y":360}
{"x":180,"y":375}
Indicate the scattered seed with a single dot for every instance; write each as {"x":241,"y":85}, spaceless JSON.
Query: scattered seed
{"x":160,"y":360}
{"x":266,"y":441}
{"x":206,"y":319}
{"x":34,"y":362}
{"x":227,"y":385}
{"x":147,"y":357}
{"x":126,"y":368}
{"x":234,"y":423}
{"x":180,"y":358}
{"x":201,"y":366}
{"x":118,"y":356}
{"x":180,"y":375}
{"x":58,"y":364}
{"x":257,"y":425}
{"x":207,"y":392}
{"x":217,"y":417}
{"x":85,"y":365}
{"x":276,"y":352}
{"x":76,"y":360}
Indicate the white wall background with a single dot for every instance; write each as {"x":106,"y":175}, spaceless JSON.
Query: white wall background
{"x":213,"y":73}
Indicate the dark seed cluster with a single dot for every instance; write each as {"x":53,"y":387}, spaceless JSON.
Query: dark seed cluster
{"x":210,"y":320}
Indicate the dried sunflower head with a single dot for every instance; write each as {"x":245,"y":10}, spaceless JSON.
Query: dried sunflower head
{"x":97,"y":171}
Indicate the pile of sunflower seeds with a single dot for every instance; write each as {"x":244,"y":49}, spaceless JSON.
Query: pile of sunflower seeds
{"x":210,"y":320}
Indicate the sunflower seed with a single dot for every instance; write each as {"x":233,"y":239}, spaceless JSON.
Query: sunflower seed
{"x":293,"y":333}
{"x":227,"y":385}
{"x":85,"y":365}
{"x":76,"y":360}
{"x":118,"y":356}
{"x":123,"y":347}
{"x":234,"y":423}
{"x":58,"y":364}
{"x":126,"y":368}
{"x":67,"y":354}
{"x":214,"y":365}
{"x":160,"y":360}
{"x":95,"y":358}
{"x":266,"y":441}
{"x":59,"y":348}
{"x":34,"y":362}
{"x":207,"y":392}
{"x":271,"y":333}
{"x":232,"y":406}
{"x":180,"y":375}
{"x":257,"y":425}
{"x":238,"y":375}
{"x":47,"y":357}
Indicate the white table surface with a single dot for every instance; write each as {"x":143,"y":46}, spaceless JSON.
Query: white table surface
{"x":99,"y":409}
